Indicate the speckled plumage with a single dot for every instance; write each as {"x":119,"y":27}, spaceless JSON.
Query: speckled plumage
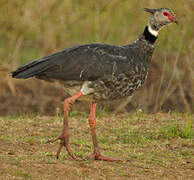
{"x":110,"y":72}
{"x":101,"y":71}
{"x":98,"y":72}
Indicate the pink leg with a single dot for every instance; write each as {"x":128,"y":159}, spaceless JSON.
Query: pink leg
{"x":64,"y":137}
{"x":96,"y":154}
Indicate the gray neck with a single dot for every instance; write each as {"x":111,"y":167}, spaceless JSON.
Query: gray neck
{"x":154,"y":25}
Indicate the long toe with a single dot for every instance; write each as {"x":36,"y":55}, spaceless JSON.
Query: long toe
{"x":68,"y":148}
{"x":101,"y":158}
{"x":104,"y":158}
{"x":55,"y":139}
{"x":64,"y":142}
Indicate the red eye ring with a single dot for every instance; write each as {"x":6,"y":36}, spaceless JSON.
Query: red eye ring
{"x":165,"y":13}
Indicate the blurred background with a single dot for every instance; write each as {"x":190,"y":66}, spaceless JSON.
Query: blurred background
{"x":34,"y":28}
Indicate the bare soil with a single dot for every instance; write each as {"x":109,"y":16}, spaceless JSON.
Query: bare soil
{"x":157,"y":146}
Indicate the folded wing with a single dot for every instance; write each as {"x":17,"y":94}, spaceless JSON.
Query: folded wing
{"x":80,"y":63}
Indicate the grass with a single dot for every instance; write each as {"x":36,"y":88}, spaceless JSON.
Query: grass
{"x":158,"y":146}
{"x":33,"y":29}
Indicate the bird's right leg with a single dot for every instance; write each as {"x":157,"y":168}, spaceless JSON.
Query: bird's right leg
{"x":64,"y":137}
{"x":96,"y":155}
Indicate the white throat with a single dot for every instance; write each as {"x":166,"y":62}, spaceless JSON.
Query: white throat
{"x":153,"y":32}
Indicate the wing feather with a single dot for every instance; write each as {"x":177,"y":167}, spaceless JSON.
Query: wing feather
{"x":80,"y":63}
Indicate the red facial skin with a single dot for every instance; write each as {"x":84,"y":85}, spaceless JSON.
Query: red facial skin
{"x":170,"y":17}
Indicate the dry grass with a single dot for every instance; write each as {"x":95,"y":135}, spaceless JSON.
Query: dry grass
{"x":32,"y":29}
{"x":157,"y":146}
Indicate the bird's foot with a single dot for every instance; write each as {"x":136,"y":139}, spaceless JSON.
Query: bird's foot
{"x":98,"y":156}
{"x":64,"y":142}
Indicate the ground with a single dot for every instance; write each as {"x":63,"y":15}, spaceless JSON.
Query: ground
{"x":156,"y":146}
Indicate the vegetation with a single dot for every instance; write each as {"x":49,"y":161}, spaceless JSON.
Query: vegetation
{"x":156,"y":146}
{"x":32,"y":29}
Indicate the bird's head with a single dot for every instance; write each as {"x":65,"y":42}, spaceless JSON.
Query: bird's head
{"x":159,"y":18}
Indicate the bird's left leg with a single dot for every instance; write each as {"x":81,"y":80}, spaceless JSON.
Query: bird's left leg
{"x":64,"y":137}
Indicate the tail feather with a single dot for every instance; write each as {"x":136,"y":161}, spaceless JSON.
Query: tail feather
{"x":33,"y":68}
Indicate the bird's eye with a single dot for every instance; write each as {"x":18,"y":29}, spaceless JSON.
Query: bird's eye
{"x":165,"y":13}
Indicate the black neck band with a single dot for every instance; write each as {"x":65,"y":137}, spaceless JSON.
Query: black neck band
{"x":148,"y":36}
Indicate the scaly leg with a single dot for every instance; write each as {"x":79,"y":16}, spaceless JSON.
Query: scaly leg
{"x":64,"y":137}
{"x":96,"y":154}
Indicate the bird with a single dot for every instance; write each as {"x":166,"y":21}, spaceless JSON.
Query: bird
{"x":99,"y":72}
